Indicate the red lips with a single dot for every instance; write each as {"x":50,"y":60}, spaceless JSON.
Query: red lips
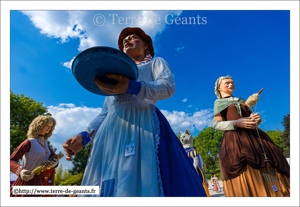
{"x":127,"y":45}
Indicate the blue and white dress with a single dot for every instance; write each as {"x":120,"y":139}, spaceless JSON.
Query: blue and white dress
{"x":131,"y":123}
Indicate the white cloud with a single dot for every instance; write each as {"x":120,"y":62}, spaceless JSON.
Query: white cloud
{"x":66,"y":25}
{"x":58,"y":24}
{"x":68,"y":64}
{"x":72,"y":119}
{"x":181,"y":121}
{"x":179,"y":48}
{"x":190,"y":106}
{"x":184,"y":100}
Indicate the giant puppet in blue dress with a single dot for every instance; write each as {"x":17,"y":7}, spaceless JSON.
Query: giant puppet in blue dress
{"x":135,"y":152}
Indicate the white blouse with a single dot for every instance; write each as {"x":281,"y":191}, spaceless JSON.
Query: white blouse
{"x":36,"y":155}
{"x":157,"y":83}
{"x":225,"y":125}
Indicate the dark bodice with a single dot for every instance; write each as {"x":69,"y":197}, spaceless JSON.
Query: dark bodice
{"x":242,"y":146}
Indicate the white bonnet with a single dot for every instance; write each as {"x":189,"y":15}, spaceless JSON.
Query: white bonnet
{"x":217,"y":85}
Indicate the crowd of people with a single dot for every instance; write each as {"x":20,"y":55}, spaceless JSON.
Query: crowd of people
{"x":159,"y":165}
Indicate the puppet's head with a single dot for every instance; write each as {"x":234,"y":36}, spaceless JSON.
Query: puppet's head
{"x":186,"y":139}
{"x":38,"y":123}
{"x":218,"y":83}
{"x":125,"y":37}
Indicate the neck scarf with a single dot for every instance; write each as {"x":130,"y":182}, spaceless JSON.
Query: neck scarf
{"x":221,"y":104}
{"x":147,"y":59}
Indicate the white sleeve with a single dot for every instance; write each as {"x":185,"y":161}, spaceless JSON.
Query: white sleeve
{"x":162,"y":87}
{"x":97,"y":121}
{"x":223,"y":125}
{"x":201,"y":162}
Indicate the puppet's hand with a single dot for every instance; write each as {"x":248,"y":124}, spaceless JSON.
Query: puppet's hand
{"x":26,"y":175}
{"x":256,"y":117}
{"x":245,"y":122}
{"x":119,"y":88}
{"x":52,"y":163}
{"x":196,"y":162}
{"x":72,"y":146}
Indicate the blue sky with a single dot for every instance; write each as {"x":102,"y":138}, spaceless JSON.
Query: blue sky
{"x":252,"y":46}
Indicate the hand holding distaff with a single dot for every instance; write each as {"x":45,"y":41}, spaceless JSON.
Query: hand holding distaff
{"x":72,"y":146}
{"x":119,"y":88}
{"x":245,"y":122}
{"x":26,"y":175}
{"x":256,"y":117}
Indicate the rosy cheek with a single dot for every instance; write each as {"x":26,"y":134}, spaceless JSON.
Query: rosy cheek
{"x":136,"y":41}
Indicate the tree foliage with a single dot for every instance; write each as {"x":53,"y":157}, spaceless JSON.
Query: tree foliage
{"x":59,"y":175}
{"x":286,"y":135}
{"x":72,"y":180}
{"x":64,"y":178}
{"x":22,"y":112}
{"x":276,"y":137}
{"x":75,"y":175}
{"x":207,"y":143}
{"x":211,"y":140}
{"x":80,"y":160}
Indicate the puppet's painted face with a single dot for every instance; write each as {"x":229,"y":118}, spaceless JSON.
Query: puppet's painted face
{"x":134,"y":45}
{"x":46,"y":129}
{"x":226,"y":86}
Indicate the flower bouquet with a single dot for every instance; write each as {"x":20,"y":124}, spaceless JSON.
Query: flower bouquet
{"x":44,"y":165}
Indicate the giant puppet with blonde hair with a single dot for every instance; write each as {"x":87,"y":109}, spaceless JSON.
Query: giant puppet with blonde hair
{"x":251,"y":164}
{"x":34,"y":151}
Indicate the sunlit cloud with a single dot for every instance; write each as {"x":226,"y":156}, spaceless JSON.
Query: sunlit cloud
{"x":72,"y":119}
{"x":66,"y":25}
{"x":68,"y":64}
{"x":181,"y":121}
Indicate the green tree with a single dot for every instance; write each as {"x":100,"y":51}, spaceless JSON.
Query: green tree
{"x":72,"y":180}
{"x":208,"y":161}
{"x":59,"y":175}
{"x":276,"y":137}
{"x":207,"y":143}
{"x":211,"y":140}
{"x":65,"y":174}
{"x":80,"y":160}
{"x":22,"y":111}
{"x":286,"y":135}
